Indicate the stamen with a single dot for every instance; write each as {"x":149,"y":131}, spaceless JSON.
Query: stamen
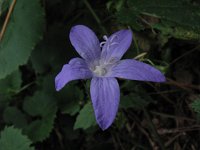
{"x":100,"y":70}
{"x":102,"y":43}
{"x":111,"y":43}
{"x":113,"y":37}
{"x":114,"y":43}
{"x":105,"y":37}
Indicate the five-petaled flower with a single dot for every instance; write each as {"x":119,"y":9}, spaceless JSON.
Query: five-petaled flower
{"x":101,"y":62}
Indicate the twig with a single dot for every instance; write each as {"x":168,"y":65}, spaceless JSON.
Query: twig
{"x":140,"y":55}
{"x":171,"y":116}
{"x":183,"y":129}
{"x":158,"y":138}
{"x":173,"y":139}
{"x":136,"y":44}
{"x":60,"y":138}
{"x":161,"y":94}
{"x":94,"y":15}
{"x":182,"y":85}
{"x":7,"y":19}
{"x":153,"y":144}
{"x":185,"y":54}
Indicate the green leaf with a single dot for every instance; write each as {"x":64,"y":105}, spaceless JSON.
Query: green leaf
{"x":40,"y":129}
{"x":177,"y":18}
{"x":69,"y":99}
{"x":169,"y":10}
{"x":53,"y":45}
{"x":120,"y":120}
{"x":24,"y":30}
{"x":178,"y":31}
{"x":11,"y":83}
{"x":44,"y":107}
{"x":13,"y":139}
{"x":196,"y":105}
{"x":10,"y":114}
{"x":133,"y":101}
{"x":4,"y":5}
{"x":41,"y":104}
{"x":86,"y":118}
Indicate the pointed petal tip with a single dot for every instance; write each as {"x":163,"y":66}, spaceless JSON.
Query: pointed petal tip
{"x":58,"y":89}
{"x":128,"y":32}
{"x":103,"y":128}
{"x":57,"y":86}
{"x":160,"y":78}
{"x":163,"y":79}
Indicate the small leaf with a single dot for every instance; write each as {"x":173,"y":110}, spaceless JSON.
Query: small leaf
{"x":196,"y":105}
{"x":41,"y":104}
{"x":40,"y":129}
{"x":133,"y":101}
{"x":10,"y":114}
{"x":13,"y":139}
{"x":86,"y":118}
{"x":11,"y":83}
{"x":70,"y":98}
{"x":4,"y":4}
{"x":120,"y":120}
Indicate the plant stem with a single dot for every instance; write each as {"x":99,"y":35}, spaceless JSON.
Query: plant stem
{"x":95,"y":15}
{"x":136,"y":44}
{"x":7,"y":19}
{"x":155,"y":133}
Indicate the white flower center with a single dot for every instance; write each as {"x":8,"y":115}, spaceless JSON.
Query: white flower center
{"x":100,"y":70}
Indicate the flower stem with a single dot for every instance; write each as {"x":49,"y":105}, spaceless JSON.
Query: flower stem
{"x":95,"y":16}
{"x":136,"y":44}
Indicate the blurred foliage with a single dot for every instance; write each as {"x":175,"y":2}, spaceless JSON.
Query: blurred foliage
{"x":35,"y":46}
{"x":12,"y":138}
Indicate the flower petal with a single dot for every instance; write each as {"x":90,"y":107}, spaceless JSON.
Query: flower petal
{"x":116,"y":45}
{"x":76,"y":69}
{"x":85,"y":42}
{"x":135,"y":70}
{"x":105,"y":96}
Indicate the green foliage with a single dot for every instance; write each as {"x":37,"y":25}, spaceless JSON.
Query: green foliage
{"x":12,"y":115}
{"x":22,"y":34}
{"x":133,"y":101}
{"x":44,"y":107}
{"x":3,"y":5}
{"x":85,"y":118}
{"x":11,"y":83}
{"x":166,"y":35}
{"x":196,"y":105}
{"x":164,"y":15}
{"x":12,"y":139}
{"x":41,"y":104}
{"x":54,"y":46}
{"x":40,"y":129}
{"x":70,"y":99}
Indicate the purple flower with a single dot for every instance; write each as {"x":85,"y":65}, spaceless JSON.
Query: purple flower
{"x":101,"y":62}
